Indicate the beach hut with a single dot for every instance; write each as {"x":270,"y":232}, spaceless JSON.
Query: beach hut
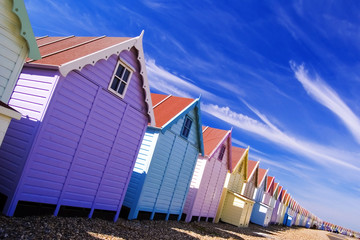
{"x":270,"y":184}
{"x":209,"y":176}
{"x":164,"y":167}
{"x":85,"y":106}
{"x":288,"y":214}
{"x":282,"y":207}
{"x":279,"y":216}
{"x":272,"y":200}
{"x":261,"y":213}
{"x":276,"y":204}
{"x":17,"y":43}
{"x":234,"y":207}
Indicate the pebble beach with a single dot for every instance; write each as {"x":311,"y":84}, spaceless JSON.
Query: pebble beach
{"x":50,"y":227}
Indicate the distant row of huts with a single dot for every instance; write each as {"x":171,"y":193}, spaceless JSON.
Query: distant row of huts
{"x":80,"y":129}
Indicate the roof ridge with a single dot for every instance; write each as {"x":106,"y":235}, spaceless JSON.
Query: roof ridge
{"x":58,"y":40}
{"x":205,"y":129}
{"x":167,"y":97}
{"x":68,"y":48}
{"x":38,"y":38}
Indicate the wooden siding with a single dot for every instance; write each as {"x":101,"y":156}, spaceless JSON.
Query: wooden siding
{"x":87,"y":143}
{"x":250,"y":186}
{"x":237,"y":179}
{"x":206,"y":185}
{"x":259,"y":195}
{"x":261,"y":214}
{"x":13,"y":50}
{"x":236,"y":210}
{"x":165,"y":186}
{"x":103,"y":70}
{"x":141,"y":166}
{"x":31,"y":97}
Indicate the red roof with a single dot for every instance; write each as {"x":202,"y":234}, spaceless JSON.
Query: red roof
{"x":269,"y":182}
{"x":252,"y":165}
{"x":274,"y":189}
{"x":279,"y":191}
{"x":166,"y":107}
{"x":283,"y":195}
{"x":212,"y":137}
{"x":60,"y":50}
{"x":237,"y":154}
{"x":261,"y":176}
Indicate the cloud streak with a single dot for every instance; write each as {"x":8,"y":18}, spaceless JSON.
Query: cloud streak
{"x":169,"y":83}
{"x":320,"y":154}
{"x":326,"y":96}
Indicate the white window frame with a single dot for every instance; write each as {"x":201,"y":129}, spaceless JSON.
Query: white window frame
{"x":127,"y":67}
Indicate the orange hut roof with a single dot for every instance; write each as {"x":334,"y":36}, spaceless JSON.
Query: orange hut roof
{"x":213,"y":138}
{"x":166,"y":107}
{"x":60,"y":50}
{"x":237,"y":155}
{"x":276,"y":185}
{"x":269,"y":182}
{"x":261,"y":176}
{"x":252,"y":166}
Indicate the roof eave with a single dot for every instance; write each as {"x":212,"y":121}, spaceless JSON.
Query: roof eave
{"x":26,"y":31}
{"x":10,"y":112}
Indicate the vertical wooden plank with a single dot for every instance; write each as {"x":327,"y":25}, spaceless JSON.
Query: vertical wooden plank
{"x":107,"y":165}
{"x":70,"y":172}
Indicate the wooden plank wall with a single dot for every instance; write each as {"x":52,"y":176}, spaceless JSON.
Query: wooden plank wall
{"x":31,"y":98}
{"x":167,"y":181}
{"x":88,"y":141}
{"x":210,"y":179}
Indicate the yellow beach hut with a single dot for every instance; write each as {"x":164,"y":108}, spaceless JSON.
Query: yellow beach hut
{"x":235,"y":208}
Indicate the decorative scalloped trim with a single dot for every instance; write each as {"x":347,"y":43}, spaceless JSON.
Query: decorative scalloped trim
{"x":105,"y":54}
{"x":26,"y":30}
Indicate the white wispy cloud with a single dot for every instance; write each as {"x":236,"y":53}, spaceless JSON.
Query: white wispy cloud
{"x":318,"y":153}
{"x":245,"y":145}
{"x":326,"y":96}
{"x":166,"y":82}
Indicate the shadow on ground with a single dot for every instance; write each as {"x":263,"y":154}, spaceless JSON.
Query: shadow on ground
{"x":50,"y":227}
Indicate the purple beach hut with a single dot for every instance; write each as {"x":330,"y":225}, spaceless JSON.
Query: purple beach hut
{"x":85,"y":107}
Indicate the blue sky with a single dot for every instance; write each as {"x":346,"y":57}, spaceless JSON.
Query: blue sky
{"x":284,"y":74}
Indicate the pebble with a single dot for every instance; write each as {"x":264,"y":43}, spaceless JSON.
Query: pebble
{"x":50,"y":227}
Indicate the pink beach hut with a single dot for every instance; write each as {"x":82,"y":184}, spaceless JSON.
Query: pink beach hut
{"x":85,"y":107}
{"x":209,"y":176}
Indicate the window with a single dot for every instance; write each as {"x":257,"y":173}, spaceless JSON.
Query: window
{"x":120,"y":79}
{"x":186,"y":127}
{"x":222,"y":152}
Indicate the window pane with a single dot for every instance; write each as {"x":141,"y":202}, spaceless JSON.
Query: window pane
{"x":126,"y":75}
{"x":119,"y":71}
{"x":115,"y":83}
{"x":185,"y":132}
{"x":221,"y":154}
{"x":121,"y":88}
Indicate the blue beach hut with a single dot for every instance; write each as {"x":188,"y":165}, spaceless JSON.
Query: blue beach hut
{"x":262,"y":212}
{"x":164,"y":167}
